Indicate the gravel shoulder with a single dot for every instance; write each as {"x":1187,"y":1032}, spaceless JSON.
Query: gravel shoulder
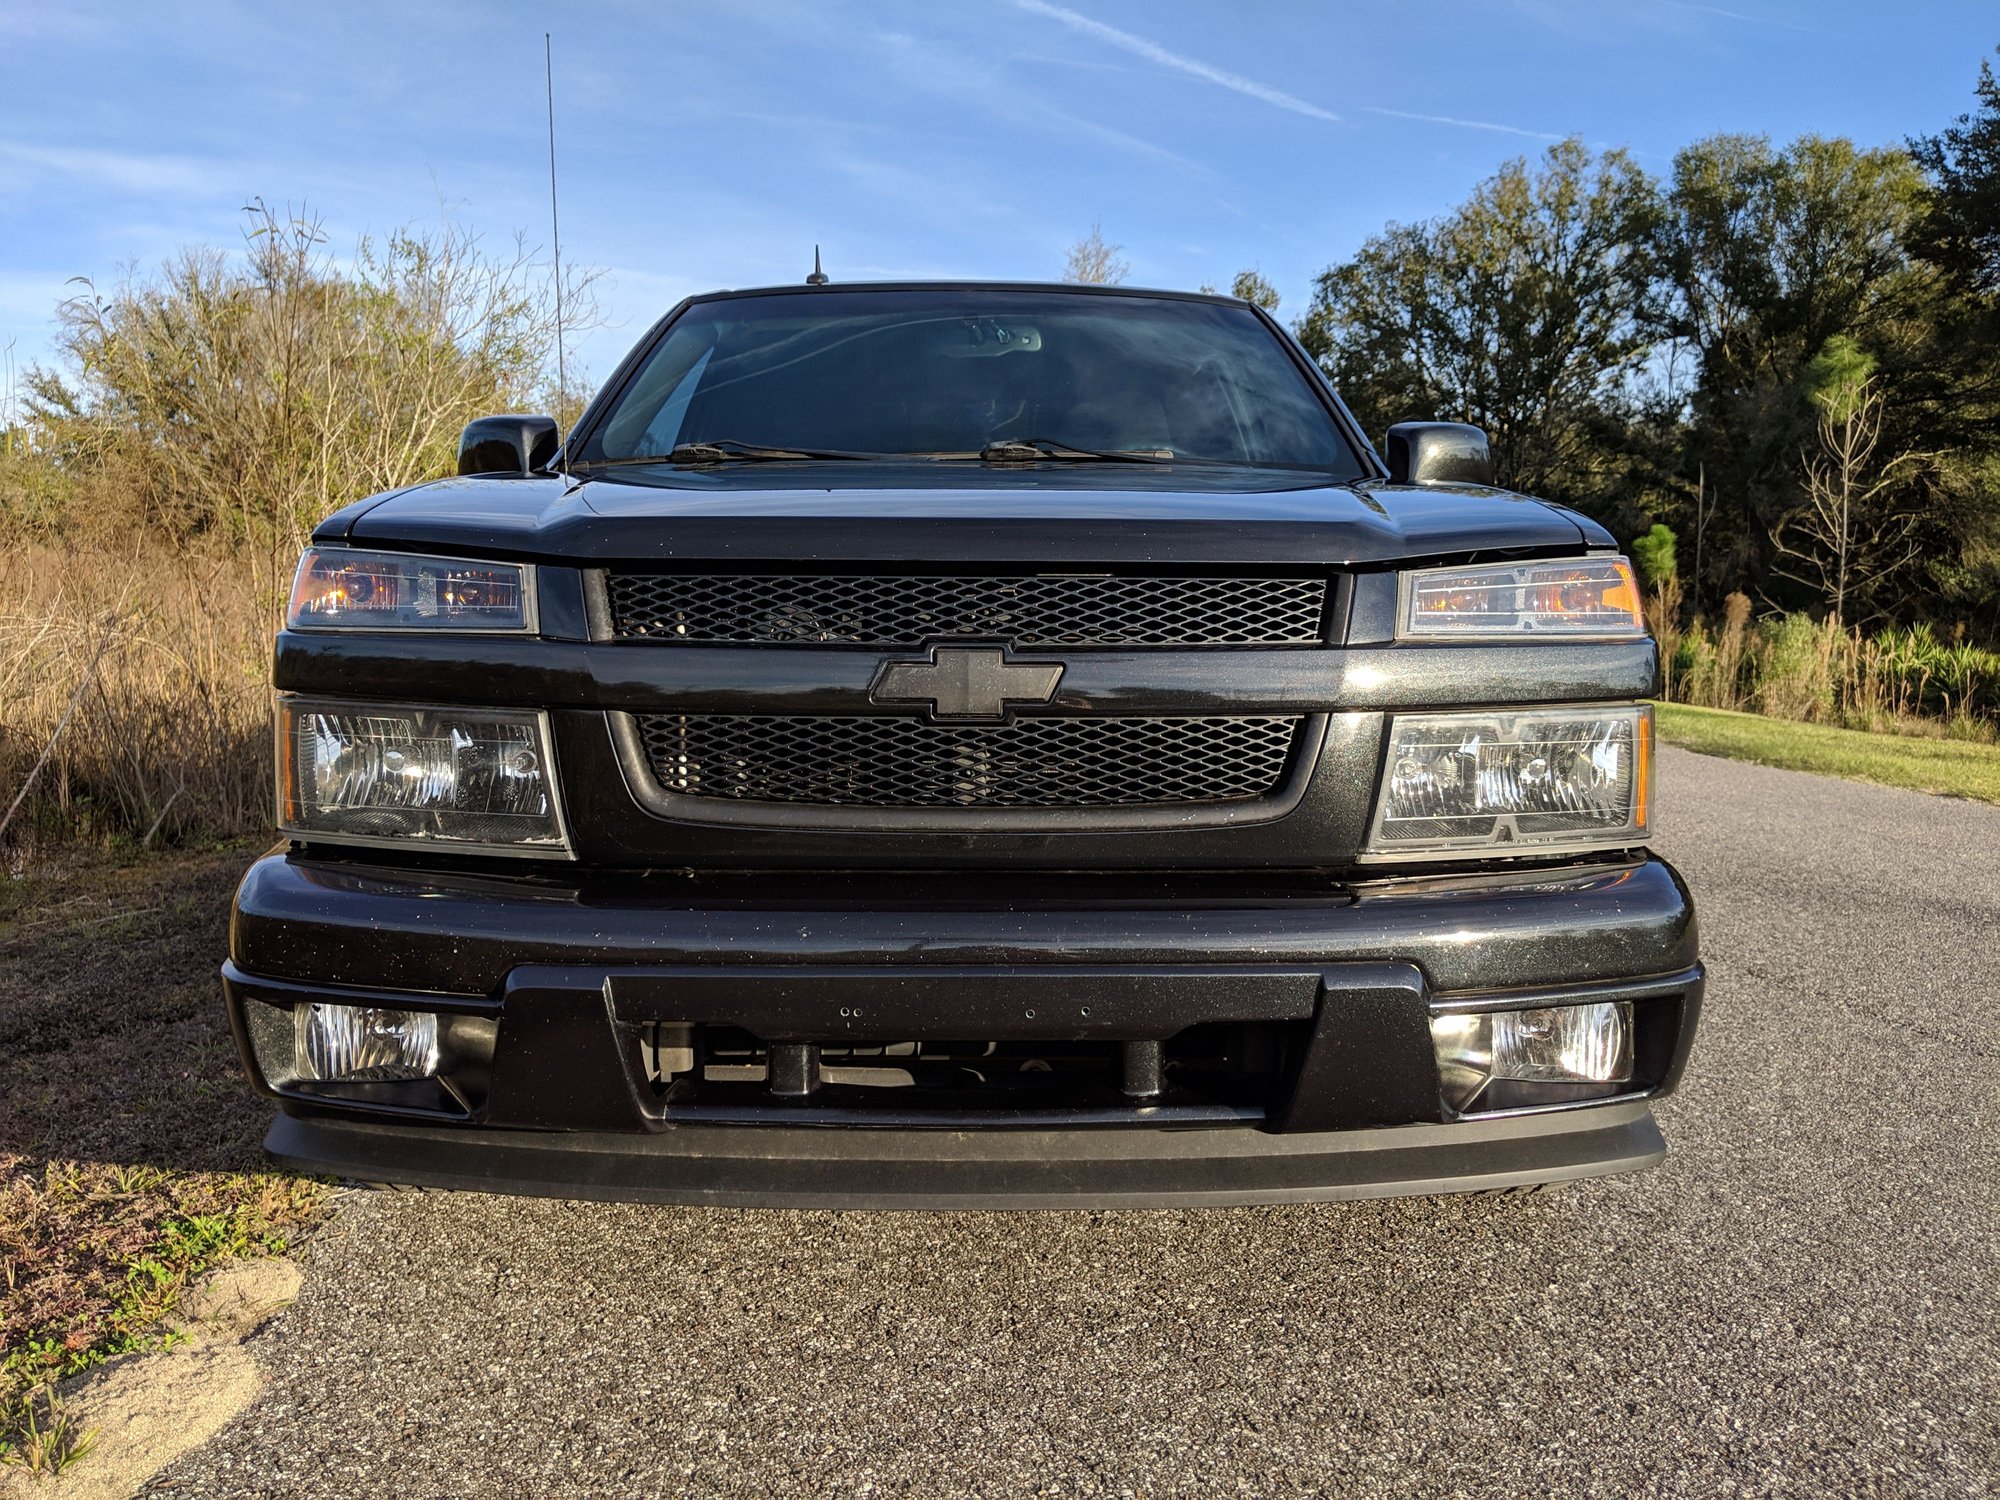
{"x":1801,"y":1301}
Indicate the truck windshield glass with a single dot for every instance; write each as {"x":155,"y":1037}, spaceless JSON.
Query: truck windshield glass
{"x":957,"y":373}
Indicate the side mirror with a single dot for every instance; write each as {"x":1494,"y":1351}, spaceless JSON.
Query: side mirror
{"x":1439,"y":453}
{"x":507,"y":445}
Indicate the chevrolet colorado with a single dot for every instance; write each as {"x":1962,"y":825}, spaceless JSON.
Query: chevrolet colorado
{"x":964,"y":745}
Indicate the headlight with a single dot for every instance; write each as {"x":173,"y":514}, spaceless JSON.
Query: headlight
{"x":390,"y":774}
{"x":1516,"y":781}
{"x":340,"y":588}
{"x":1593,"y":598}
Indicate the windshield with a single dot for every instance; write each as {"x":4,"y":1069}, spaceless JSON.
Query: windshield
{"x":969,"y":374}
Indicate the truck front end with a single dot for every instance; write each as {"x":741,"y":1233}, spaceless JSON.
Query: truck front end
{"x":961,"y":788}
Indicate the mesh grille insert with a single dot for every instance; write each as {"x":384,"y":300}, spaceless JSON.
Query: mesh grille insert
{"x":1031,"y":762}
{"x":909,"y":609}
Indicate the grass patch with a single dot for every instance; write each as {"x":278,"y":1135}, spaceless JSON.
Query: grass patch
{"x":128,"y":1139}
{"x":1953,"y":768}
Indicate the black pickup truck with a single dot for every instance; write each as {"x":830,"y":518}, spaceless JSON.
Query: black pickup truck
{"x":964,"y":745}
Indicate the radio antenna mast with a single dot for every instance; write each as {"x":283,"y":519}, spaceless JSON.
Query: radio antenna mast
{"x":555,"y":236}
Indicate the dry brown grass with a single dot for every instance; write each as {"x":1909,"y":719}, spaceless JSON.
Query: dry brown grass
{"x":154,"y":666}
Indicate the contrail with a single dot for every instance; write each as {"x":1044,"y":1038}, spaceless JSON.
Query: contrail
{"x":1404,"y":114}
{"x":1155,"y":53}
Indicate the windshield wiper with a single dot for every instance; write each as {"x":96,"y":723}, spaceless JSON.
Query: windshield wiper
{"x":727,"y":450}
{"x":1034,"y":449}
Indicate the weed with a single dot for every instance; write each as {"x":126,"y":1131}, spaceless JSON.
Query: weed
{"x":133,"y":689}
{"x":39,"y":1435}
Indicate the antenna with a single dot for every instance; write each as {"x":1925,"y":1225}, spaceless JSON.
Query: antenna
{"x":818,"y":277}
{"x":555,"y":235}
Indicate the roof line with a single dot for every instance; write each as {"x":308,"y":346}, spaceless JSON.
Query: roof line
{"x":1070,"y":287}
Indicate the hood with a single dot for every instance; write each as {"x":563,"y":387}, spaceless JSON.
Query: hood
{"x":1031,"y":513}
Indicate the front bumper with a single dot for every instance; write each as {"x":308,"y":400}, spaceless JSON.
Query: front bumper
{"x":737,"y":1166}
{"x":573,"y":973}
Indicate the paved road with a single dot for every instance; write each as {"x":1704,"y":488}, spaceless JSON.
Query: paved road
{"x":1803,"y":1300}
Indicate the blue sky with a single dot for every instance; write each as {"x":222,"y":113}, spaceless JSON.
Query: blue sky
{"x":711,"y":144}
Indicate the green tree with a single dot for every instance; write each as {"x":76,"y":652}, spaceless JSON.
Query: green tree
{"x":1961,"y":233}
{"x":1952,"y":379}
{"x":1251,"y":286}
{"x":1653,"y":556}
{"x":1519,"y":312}
{"x":1762,"y":256}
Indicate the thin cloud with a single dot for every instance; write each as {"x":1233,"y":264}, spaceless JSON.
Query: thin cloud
{"x":1154,"y":53}
{"x":937,"y":200}
{"x":125,"y":171}
{"x":1404,"y":114}
{"x":1733,"y":15}
{"x":946,"y":73}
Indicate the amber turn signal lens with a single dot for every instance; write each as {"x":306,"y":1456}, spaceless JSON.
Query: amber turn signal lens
{"x":1588,"y":597}
{"x":345,"y":588}
{"x":1642,"y":793}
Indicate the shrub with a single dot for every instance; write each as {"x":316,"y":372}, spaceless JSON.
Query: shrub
{"x":240,"y":399}
{"x":1795,"y":673}
{"x":154,"y":493}
{"x":1794,"y":667}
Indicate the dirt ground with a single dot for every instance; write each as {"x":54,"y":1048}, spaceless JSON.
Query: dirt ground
{"x":128,"y":1139}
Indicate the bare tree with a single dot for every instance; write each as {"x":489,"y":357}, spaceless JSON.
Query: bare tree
{"x":1092,"y":262}
{"x":1847,"y":539}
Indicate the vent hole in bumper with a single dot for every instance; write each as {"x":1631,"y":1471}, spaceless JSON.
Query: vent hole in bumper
{"x":1227,"y":1070}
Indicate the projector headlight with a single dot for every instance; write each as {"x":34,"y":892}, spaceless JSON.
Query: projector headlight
{"x":344,"y":588}
{"x":1514,"y":782}
{"x":391,"y":774}
{"x":1585,"y":598}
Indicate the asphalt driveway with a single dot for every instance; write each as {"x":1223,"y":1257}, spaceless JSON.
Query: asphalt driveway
{"x":1801,"y":1301}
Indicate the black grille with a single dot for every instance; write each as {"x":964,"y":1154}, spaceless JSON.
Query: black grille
{"x":1032,"y":762}
{"x":909,"y":609}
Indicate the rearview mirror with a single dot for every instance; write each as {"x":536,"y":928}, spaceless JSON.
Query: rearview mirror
{"x":1439,"y":453}
{"x":511,"y":444}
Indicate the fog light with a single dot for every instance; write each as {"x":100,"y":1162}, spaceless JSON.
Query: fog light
{"x":359,"y":1044}
{"x":1562,"y":1045}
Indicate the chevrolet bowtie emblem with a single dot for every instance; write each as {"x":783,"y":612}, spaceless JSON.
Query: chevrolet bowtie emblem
{"x":966,"y":682}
